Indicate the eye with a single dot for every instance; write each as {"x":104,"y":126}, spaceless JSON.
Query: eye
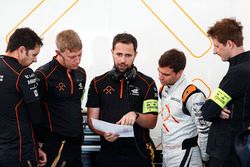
{"x":119,"y":54}
{"x":128,"y":55}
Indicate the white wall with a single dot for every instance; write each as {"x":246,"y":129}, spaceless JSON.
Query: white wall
{"x":97,"y":21}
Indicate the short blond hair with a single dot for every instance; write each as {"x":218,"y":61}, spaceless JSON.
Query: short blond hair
{"x":68,"y":39}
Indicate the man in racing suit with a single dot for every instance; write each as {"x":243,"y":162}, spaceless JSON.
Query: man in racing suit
{"x":229,"y":106}
{"x":183,"y":124}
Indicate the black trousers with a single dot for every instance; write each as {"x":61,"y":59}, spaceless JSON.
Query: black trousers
{"x":18,"y":164}
{"x":214,"y":162}
{"x":122,"y":158}
{"x":68,"y":153}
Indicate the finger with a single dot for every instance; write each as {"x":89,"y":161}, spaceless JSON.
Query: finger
{"x":226,"y":110}
{"x":224,"y":115}
{"x":112,"y":138}
{"x":42,"y":163}
{"x":133,"y":120}
{"x":106,"y":135}
{"x":125,"y":121}
{"x":119,"y":122}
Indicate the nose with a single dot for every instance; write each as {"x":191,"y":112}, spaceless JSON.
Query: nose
{"x":123,"y":58}
{"x":214,"y":51}
{"x":160,"y":75}
{"x":35,"y":59}
{"x":78,"y":60}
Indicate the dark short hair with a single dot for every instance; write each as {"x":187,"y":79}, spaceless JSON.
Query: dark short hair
{"x":23,"y":37}
{"x":227,"y":29}
{"x":174,"y":59}
{"x":126,"y":39}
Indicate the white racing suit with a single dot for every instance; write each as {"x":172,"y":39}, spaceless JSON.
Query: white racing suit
{"x":179,"y":130}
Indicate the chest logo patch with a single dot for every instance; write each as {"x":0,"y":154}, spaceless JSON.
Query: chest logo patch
{"x":1,"y":78}
{"x":108,"y":90}
{"x":80,"y":86}
{"x":135,"y":91}
{"x":61,"y":87}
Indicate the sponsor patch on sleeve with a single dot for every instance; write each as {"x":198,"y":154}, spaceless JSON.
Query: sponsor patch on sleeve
{"x":220,"y":97}
{"x":150,"y":105}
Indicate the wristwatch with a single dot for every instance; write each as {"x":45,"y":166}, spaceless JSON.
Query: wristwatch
{"x":137,"y":115}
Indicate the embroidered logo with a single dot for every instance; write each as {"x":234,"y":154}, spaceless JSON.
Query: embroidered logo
{"x":29,"y":76}
{"x":108,"y":90}
{"x":61,"y":86}
{"x":1,"y":78}
{"x":35,"y":93}
{"x":135,"y":91}
{"x":80,"y":87}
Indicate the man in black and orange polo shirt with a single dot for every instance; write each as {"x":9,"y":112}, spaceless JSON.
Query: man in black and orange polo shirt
{"x":123,"y":96}
{"x":19,"y":101}
{"x":61,"y":85}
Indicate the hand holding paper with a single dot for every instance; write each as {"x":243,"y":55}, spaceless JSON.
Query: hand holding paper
{"x":121,"y":130}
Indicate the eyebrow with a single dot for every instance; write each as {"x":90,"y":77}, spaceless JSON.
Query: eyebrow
{"x":165,"y":74}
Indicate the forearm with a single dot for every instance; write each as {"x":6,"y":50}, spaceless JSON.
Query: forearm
{"x":147,"y":120}
{"x":93,"y":129}
{"x":93,"y":113}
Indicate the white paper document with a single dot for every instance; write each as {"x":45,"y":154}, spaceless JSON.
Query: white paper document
{"x":122,"y":130}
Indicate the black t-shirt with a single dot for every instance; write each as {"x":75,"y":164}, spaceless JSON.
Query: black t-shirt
{"x":61,"y":91}
{"x":18,"y":89}
{"x":115,"y":98}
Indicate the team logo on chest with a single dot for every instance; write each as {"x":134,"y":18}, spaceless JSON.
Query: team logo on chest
{"x":60,"y":86}
{"x":80,"y":87}
{"x":134,"y":90}
{"x":108,"y":90}
{"x":1,"y":78}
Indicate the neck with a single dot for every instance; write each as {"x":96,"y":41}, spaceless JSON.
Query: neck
{"x":60,"y":60}
{"x":237,"y":51}
{"x":13,"y":54}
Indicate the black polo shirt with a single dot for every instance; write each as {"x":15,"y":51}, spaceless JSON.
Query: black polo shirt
{"x":61,"y":91}
{"x":18,"y":89}
{"x":115,"y":98}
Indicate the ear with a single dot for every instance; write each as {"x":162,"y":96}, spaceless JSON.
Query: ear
{"x":230,"y":44}
{"x":180,"y":73}
{"x":136,"y":53}
{"x":58,"y":52}
{"x":21,"y":49}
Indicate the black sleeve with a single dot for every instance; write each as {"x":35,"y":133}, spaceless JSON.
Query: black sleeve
{"x":207,"y":109}
{"x":93,"y":98}
{"x":41,"y":84}
{"x":28,"y":86}
{"x":232,"y":84}
{"x":35,"y":113}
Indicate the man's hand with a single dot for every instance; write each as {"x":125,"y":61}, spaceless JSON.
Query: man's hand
{"x":128,"y":119}
{"x":42,"y":157}
{"x":205,"y":164}
{"x":111,"y":137}
{"x":225,"y":113}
